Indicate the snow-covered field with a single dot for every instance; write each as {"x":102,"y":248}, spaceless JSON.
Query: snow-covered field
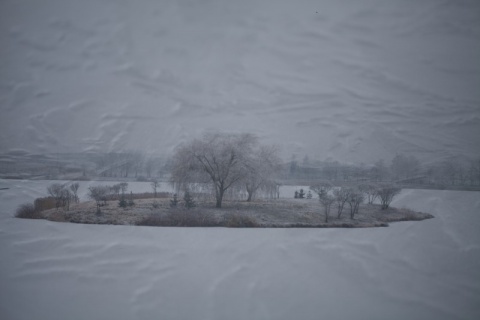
{"x":410,"y":270}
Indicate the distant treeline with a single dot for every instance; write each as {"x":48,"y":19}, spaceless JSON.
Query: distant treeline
{"x":403,"y":170}
{"x":135,"y":165}
{"x":84,"y":166}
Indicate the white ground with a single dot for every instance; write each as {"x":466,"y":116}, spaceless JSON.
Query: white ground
{"x":410,"y":270}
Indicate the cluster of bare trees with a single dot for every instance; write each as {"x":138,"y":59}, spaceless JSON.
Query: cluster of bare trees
{"x":102,"y":193}
{"x":64,"y":194}
{"x":221,"y":162}
{"x":403,"y":169}
{"x":353,"y":196}
{"x":130,"y":164}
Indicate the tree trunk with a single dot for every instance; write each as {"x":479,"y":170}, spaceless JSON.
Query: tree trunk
{"x":219,"y":197}
{"x":219,"y":201}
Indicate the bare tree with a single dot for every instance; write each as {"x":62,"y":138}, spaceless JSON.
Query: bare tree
{"x":74,"y":188}
{"x":56,"y":191}
{"x":155,"y":184}
{"x":99,"y":194}
{"x":123,"y":186}
{"x":321,"y":188}
{"x":341,"y":196}
{"x":61,"y":195}
{"x":326,"y":200}
{"x":370,"y":191}
{"x":262,"y":167}
{"x":115,"y":189}
{"x":220,"y":159}
{"x":355,"y":198}
{"x":386,"y":194}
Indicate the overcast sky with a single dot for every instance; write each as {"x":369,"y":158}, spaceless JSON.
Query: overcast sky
{"x":351,"y":80}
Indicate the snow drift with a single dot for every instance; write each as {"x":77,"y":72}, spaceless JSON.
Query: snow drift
{"x":411,"y":270}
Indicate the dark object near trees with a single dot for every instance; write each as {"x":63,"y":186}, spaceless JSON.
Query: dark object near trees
{"x":174,"y":201}
{"x":296,"y":195}
{"x":122,"y":202}
{"x":301,"y":194}
{"x":131,"y":203}
{"x":189,"y":202}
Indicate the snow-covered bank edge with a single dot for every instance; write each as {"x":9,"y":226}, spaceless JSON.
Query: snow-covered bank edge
{"x":279,"y":213}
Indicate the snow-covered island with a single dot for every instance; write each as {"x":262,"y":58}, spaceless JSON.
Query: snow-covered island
{"x":283,"y":213}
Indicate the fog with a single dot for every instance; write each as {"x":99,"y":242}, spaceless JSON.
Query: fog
{"x":352,"y":81}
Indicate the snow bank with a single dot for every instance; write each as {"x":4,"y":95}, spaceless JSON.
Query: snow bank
{"x":411,"y":270}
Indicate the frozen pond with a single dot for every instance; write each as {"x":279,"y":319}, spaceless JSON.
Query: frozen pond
{"x":38,"y":188}
{"x":410,"y":270}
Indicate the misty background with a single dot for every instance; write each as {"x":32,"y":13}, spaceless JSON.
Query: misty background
{"x":353,"y":81}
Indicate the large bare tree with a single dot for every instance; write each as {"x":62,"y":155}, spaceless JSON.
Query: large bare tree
{"x":262,"y":167}
{"x":218,"y":159}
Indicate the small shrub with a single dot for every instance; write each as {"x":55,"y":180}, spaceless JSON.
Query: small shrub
{"x":99,"y":194}
{"x":122,"y":202}
{"x":27,"y":211}
{"x":386,"y":193}
{"x":301,"y":194}
{"x":240,"y":221}
{"x":156,"y":204}
{"x":189,"y":202}
{"x":131,"y":203}
{"x":174,"y":201}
